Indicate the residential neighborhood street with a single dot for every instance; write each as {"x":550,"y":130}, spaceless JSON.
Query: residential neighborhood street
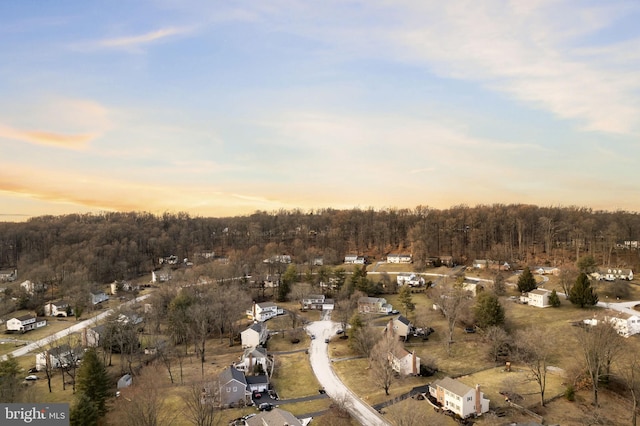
{"x":321,"y":365}
{"x":72,"y":329}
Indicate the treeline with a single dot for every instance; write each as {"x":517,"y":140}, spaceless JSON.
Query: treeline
{"x":104,"y":247}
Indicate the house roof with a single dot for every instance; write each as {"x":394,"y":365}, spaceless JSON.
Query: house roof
{"x":366,"y":299}
{"x":97,"y":292}
{"x":231,"y":373}
{"x":315,"y":296}
{"x":266,"y":304}
{"x":258,"y":352}
{"x":403,"y":320}
{"x":275,"y":417}
{"x":257,"y":380}
{"x":25,"y":317}
{"x":400,"y":352}
{"x":539,"y":291}
{"x":257,"y":327}
{"x":59,"y":303}
{"x":453,"y":386}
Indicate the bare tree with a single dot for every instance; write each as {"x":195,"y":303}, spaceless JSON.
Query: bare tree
{"x":143,"y":404}
{"x":599,"y":345}
{"x":382,"y":371}
{"x":201,"y":404}
{"x":452,"y":301}
{"x":409,"y":413}
{"x":498,"y":341}
{"x":536,"y":349}
{"x":628,"y":372}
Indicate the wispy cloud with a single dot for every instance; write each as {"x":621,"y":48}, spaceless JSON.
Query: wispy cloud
{"x":39,"y":137}
{"x":140,"y":39}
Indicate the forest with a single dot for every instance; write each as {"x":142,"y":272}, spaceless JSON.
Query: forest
{"x":101,"y":248}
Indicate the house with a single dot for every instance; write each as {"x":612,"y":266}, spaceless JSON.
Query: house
{"x":399,"y":258}
{"x":318,"y":302}
{"x":233,"y":387}
{"x":263,"y":311}
{"x":373,"y":305}
{"x":255,"y":358}
{"x":257,"y":383}
{"x":161,"y":276}
{"x":8,"y":275}
{"x":480,"y":264}
{"x":538,"y":297}
{"x":278,"y":258}
{"x":546,"y":270}
{"x":91,"y":337}
{"x":625,"y":324}
{"x":124,"y":381}
{"x":25,"y":323}
{"x":473,"y":287}
{"x":98,"y":296}
{"x":410,"y":279}
{"x":463,"y":400}
{"x":354,"y":259}
{"x":404,"y":362}
{"x":612,"y":274}
{"x":275,"y":417}
{"x":447,"y":261}
{"x":33,"y":288}
{"x":317,"y":261}
{"x":58,"y":308}
{"x":254,"y":336}
{"x":400,"y":327}
{"x":60,"y":356}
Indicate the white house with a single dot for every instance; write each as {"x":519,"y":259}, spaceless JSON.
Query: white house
{"x":404,"y":362}
{"x":57,"y":357}
{"x":458,"y":397}
{"x":546,"y":270}
{"x":480,"y":264}
{"x":98,"y":296}
{"x":538,"y":297}
{"x":410,"y":279}
{"x":57,"y":308}
{"x":31,"y":287}
{"x":612,"y":274}
{"x":263,"y":311}
{"x":318,"y":302}
{"x":399,"y":258}
{"x":25,"y":323}
{"x":8,"y":274}
{"x":254,"y":357}
{"x":354,"y":259}
{"x":257,"y":383}
{"x":256,"y":335}
{"x":625,"y":324}
{"x":373,"y":305}
{"x":472,"y":287}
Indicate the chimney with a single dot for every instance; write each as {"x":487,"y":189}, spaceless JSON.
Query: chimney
{"x":254,"y":309}
{"x":478,"y":401}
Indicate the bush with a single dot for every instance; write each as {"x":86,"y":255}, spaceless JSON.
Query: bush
{"x":570,"y":393}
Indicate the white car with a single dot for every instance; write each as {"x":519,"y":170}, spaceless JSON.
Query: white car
{"x":31,"y":377}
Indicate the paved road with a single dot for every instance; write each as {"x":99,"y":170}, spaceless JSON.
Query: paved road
{"x":69,"y":330}
{"x":334,"y":387}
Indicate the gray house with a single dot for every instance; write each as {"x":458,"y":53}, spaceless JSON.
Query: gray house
{"x":233,"y":388}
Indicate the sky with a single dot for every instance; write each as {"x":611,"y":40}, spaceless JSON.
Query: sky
{"x":221,"y":108}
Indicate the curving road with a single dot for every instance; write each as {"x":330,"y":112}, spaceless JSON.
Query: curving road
{"x":321,"y":365}
{"x":72,"y":329}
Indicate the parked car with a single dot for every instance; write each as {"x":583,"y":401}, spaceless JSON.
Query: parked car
{"x":326,"y":340}
{"x":469,"y":330}
{"x":339,"y":331}
{"x":31,"y":377}
{"x":313,"y":336}
{"x":257,"y":395}
{"x":265,"y":406}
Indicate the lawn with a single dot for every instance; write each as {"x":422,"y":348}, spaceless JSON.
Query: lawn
{"x":293,"y":376}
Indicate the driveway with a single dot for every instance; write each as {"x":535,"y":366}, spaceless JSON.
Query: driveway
{"x":334,"y":387}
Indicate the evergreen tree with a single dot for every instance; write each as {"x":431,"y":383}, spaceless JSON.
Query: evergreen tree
{"x":582,"y":294}
{"x":92,"y":381}
{"x":406,"y":300}
{"x":288,"y":279}
{"x":554,"y":299}
{"x":488,"y":310}
{"x":84,"y":412}
{"x":10,"y":388}
{"x":526,"y":281}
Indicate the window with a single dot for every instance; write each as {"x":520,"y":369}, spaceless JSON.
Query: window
{"x":235,"y":389}
{"x":228,"y":388}
{"x":469,"y":398}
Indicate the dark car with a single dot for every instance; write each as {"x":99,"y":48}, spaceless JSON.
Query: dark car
{"x":265,"y":406}
{"x":339,"y":331}
{"x":326,"y":340}
{"x":469,"y":330}
{"x":313,"y":336}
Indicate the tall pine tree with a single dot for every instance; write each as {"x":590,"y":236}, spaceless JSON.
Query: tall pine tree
{"x":526,"y":281}
{"x":92,"y":381}
{"x":582,"y":294}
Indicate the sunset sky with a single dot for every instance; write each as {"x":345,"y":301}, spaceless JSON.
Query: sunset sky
{"x":221,"y":108}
